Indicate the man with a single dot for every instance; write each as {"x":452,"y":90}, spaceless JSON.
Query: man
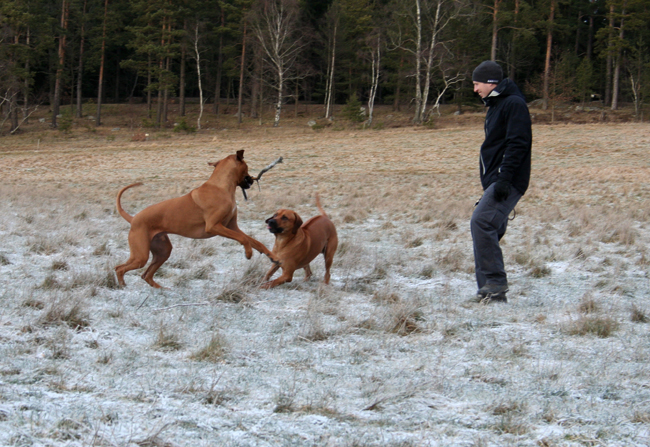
{"x":505,"y":173}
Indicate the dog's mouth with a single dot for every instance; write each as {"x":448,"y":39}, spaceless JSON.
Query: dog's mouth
{"x":272,"y":226}
{"x":247,"y":182}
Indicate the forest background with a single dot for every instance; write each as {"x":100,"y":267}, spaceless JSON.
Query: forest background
{"x":73,"y":56}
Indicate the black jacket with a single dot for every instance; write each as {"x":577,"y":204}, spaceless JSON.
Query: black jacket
{"x":505,"y":153}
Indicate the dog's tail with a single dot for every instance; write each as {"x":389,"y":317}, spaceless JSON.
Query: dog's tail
{"x":120,"y":210}
{"x":320,"y":208}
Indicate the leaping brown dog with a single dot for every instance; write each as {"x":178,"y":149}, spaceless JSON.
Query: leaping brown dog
{"x":297,"y":244}
{"x":207,"y":211}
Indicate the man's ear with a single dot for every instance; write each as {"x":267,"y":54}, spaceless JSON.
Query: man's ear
{"x":297,"y":223}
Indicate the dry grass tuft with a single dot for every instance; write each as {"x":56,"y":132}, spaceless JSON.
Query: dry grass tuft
{"x":105,"y":358}
{"x":239,"y":289}
{"x":621,"y":231}
{"x":285,"y":398}
{"x":59,"y":344}
{"x":34,"y":303}
{"x":102,"y":250}
{"x":168,"y":339}
{"x":539,"y":271}
{"x":512,"y":425}
{"x":587,"y":304}
{"x":405,"y":317}
{"x":213,"y":351}
{"x":601,"y":326}
{"x":509,"y":406}
{"x":427,"y":272}
{"x":640,"y":417}
{"x":455,"y":260}
{"x":66,"y":309}
{"x":201,"y":272}
{"x":638,"y":315}
{"x":312,"y":328}
{"x":231,"y":295}
{"x":59,"y":265}
{"x":385,"y":296}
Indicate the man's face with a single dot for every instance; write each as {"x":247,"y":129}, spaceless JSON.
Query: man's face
{"x":483,"y":89}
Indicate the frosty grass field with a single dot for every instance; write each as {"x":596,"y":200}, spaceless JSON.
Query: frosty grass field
{"x":389,"y":354}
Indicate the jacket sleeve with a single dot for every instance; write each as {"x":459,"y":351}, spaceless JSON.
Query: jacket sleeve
{"x":518,"y":139}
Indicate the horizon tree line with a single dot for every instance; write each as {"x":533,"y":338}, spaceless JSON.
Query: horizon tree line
{"x":416,"y":54}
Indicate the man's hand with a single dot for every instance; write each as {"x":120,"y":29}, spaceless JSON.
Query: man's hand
{"x":501,"y":190}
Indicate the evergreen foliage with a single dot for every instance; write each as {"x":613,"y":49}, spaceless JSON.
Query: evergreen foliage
{"x":599,"y":50}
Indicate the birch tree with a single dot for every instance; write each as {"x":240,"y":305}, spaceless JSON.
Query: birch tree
{"x":430,"y":50}
{"x":65,"y":7}
{"x":100,"y":86}
{"x":275,"y":25}
{"x":375,"y":58}
{"x":547,"y":60}
{"x":332,"y":20}
{"x":197,"y":59}
{"x":618,"y":61}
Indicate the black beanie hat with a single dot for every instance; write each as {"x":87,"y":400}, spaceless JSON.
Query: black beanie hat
{"x":488,"y":72}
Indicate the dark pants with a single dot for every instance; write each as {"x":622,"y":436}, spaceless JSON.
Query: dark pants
{"x":488,"y":224}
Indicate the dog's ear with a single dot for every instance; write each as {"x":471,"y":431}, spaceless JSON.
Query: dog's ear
{"x":297,"y":223}
{"x":213,"y":163}
{"x":240,"y":155}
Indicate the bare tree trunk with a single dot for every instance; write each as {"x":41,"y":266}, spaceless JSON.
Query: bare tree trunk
{"x":26,"y":84}
{"x":329,"y":90}
{"x":81,"y":63}
{"x":217,"y":87}
{"x":577,"y":44}
{"x":159,"y":104}
{"x":241,"y":77}
{"x":255,"y":81}
{"x":181,"y":87}
{"x":429,"y":62}
{"x":197,"y":56}
{"x":610,"y":44}
{"x":590,"y":38}
{"x":100,"y":88}
{"x":296,"y":103}
{"x":278,"y":103}
{"x":617,"y":68}
{"x":376,"y":63}
{"x":13,"y":108}
{"x":166,"y":93}
{"x":261,"y":112}
{"x":513,"y":52}
{"x":161,"y":80}
{"x":547,"y":63}
{"x":275,"y":28}
{"x":59,"y":71}
{"x":149,"y":102}
{"x":417,"y":119}
{"x":495,"y":30}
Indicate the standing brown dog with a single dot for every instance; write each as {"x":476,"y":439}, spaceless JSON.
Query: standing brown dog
{"x":207,"y":211}
{"x":297,"y":244}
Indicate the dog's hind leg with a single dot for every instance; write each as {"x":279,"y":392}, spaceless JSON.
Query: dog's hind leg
{"x":161,"y":249}
{"x":139,"y":245}
{"x":328,"y":253}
